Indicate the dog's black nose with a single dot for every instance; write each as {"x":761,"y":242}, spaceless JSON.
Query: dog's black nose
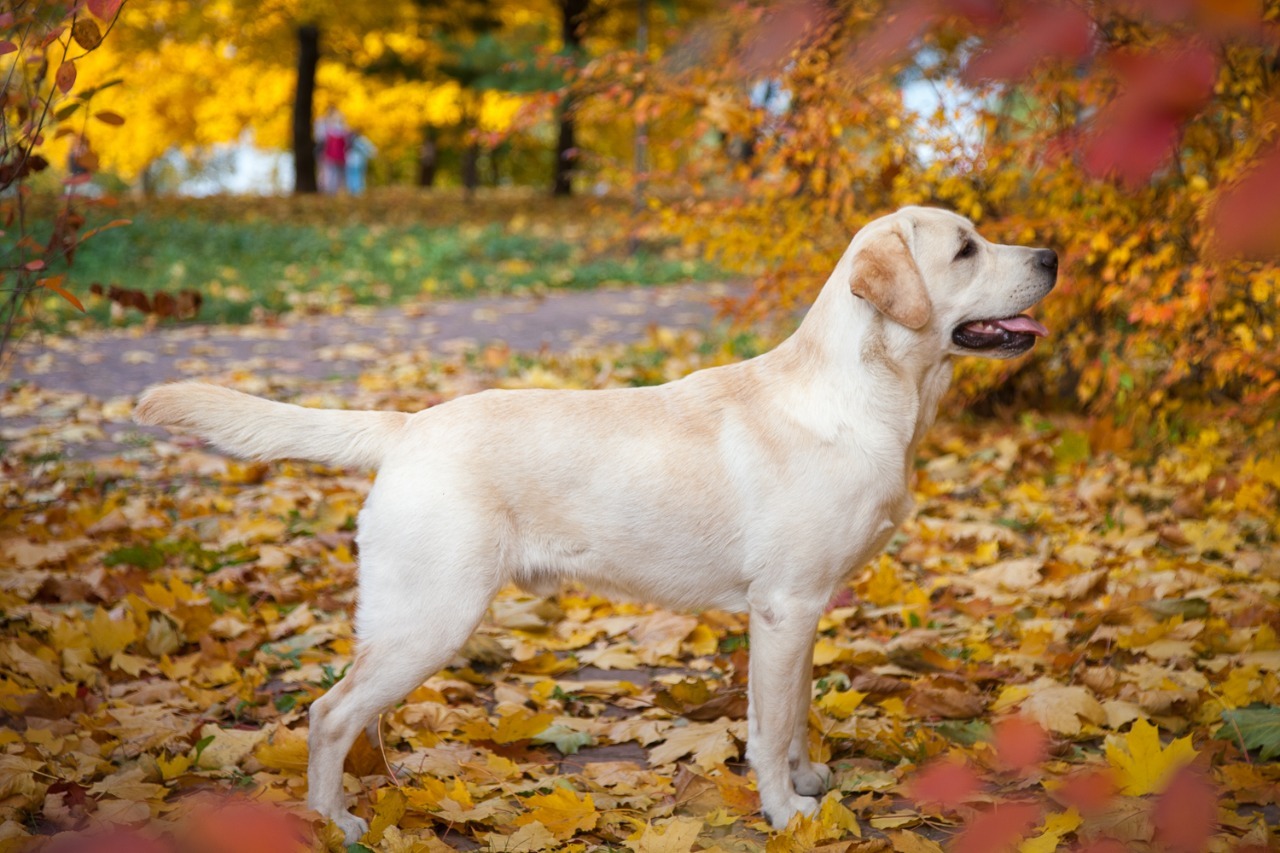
{"x":1047,"y":258}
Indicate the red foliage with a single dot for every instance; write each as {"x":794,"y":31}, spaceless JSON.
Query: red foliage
{"x":890,"y":39}
{"x":1159,"y":92}
{"x":1090,"y":792}
{"x":112,"y":841}
{"x":945,"y":783}
{"x":1045,"y":32}
{"x":766,"y":47}
{"x":998,"y":829}
{"x":240,"y":826}
{"x":1247,"y":217}
{"x":1020,"y":744}
{"x":1186,"y":814}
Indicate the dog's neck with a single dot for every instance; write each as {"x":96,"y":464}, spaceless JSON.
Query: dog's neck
{"x":849,"y":367}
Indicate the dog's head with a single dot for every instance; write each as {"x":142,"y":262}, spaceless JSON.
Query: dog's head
{"x":930,"y":271}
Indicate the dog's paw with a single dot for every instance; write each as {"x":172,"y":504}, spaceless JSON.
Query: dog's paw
{"x":353,"y":828}
{"x":811,"y":779}
{"x":780,"y":814}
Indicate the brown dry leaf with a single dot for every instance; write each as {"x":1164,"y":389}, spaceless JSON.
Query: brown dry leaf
{"x":1063,"y":709}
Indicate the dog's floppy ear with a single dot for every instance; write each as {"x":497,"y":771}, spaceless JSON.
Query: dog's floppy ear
{"x":885,"y":274}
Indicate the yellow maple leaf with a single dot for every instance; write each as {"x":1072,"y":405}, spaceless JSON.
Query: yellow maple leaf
{"x":387,"y":812}
{"x":833,"y":821}
{"x":521,"y":725}
{"x":563,"y":812}
{"x":841,"y":703}
{"x":1144,"y":766}
{"x":109,"y":634}
{"x":284,"y":749}
{"x":1051,"y":833}
{"x":676,"y":835}
{"x":703,"y":641}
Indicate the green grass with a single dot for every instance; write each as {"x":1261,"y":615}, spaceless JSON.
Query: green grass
{"x":250,"y":261}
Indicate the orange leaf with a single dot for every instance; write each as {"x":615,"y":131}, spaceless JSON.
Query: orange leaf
{"x":65,"y":77}
{"x":54,"y":283}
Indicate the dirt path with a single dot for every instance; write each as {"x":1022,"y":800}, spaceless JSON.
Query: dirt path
{"x":124,"y":361}
{"x":116,"y":364}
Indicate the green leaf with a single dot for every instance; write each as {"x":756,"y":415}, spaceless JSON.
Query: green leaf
{"x":1071,"y":447}
{"x":565,"y":739}
{"x":142,"y":556}
{"x":1257,"y":727}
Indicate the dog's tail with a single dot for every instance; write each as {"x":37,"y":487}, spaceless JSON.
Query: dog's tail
{"x":254,"y":428}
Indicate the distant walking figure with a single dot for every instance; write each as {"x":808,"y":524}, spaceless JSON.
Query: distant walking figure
{"x":359,"y":152}
{"x":332,"y":138}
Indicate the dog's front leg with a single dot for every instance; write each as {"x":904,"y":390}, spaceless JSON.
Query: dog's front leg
{"x":780,"y":669}
{"x":810,"y":778}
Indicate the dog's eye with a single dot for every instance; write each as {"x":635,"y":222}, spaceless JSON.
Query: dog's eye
{"x":967,"y":249}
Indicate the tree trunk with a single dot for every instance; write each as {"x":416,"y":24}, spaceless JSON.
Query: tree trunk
{"x":304,"y":143}
{"x":571,"y":20}
{"x":428,"y":157}
{"x":471,"y":168}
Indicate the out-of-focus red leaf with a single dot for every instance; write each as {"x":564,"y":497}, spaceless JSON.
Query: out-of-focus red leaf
{"x":998,"y":829}
{"x":65,"y":77}
{"x":944,"y":783}
{"x":1020,"y":744}
{"x":978,"y":13}
{"x":890,"y":39}
{"x":1060,"y":31}
{"x":1246,"y":218}
{"x":1164,"y":11}
{"x":108,"y":117}
{"x":1090,"y":792}
{"x":51,"y":36}
{"x":236,"y":826}
{"x":1106,"y":845}
{"x":1159,"y":91}
{"x":7,"y":46}
{"x":1186,"y":814}
{"x":1130,"y":149}
{"x":773,"y":39}
{"x":35,"y":265}
{"x":105,"y":10}
{"x":114,"y":841}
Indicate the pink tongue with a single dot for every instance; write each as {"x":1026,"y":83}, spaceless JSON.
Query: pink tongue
{"x":1022,"y":323}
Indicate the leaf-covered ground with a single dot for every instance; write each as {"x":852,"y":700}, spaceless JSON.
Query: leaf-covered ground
{"x":1065,"y":627}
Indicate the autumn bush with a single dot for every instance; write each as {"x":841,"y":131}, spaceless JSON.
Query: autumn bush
{"x":1135,"y":138}
{"x":45,"y":108}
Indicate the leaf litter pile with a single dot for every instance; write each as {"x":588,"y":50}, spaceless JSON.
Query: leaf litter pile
{"x":1067,"y":647}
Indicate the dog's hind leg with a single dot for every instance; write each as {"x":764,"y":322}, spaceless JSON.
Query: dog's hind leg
{"x":400,"y":651}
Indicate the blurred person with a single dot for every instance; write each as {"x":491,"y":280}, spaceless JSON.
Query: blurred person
{"x":331,"y":139}
{"x":359,"y":152}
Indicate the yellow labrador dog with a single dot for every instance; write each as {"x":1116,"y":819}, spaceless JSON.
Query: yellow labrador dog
{"x":757,"y":486}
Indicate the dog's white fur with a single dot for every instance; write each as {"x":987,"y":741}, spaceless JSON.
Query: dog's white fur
{"x":757,"y":486}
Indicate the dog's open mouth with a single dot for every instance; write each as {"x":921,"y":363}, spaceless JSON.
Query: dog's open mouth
{"x":1010,"y":334}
